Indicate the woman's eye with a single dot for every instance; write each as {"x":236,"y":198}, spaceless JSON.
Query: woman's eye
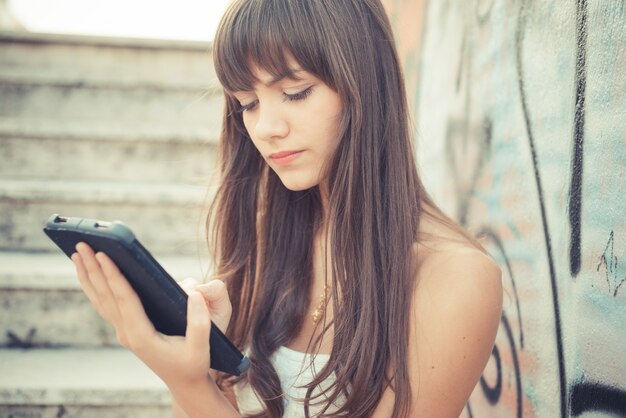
{"x":247,"y":107}
{"x":301,"y":95}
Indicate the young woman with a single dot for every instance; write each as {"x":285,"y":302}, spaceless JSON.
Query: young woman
{"x":352,"y":293}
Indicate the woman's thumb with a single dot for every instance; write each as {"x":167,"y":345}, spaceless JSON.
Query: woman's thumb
{"x":216,"y":296}
{"x":198,"y":322}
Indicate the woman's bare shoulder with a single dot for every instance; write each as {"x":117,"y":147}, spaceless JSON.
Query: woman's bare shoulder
{"x":454,"y":274}
{"x":456,"y":311}
{"x":451,"y":261}
{"x":447,"y":253}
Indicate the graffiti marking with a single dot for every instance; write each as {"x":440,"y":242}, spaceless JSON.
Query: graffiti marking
{"x":490,"y":234}
{"x":519,"y":37}
{"x":610,"y":263}
{"x":493,"y":393}
{"x":483,"y":13}
{"x":576,"y":185}
{"x":594,"y":396}
{"x":21,"y":342}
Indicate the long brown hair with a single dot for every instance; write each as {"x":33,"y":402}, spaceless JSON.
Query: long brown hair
{"x":262,"y":233}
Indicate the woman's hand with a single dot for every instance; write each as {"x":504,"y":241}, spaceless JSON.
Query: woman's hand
{"x":216,"y":297}
{"x":181,"y":362}
{"x":177,"y":360}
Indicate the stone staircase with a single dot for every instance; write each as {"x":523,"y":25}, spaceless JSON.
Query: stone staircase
{"x":106,"y":129}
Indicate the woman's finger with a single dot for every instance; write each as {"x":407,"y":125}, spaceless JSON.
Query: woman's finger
{"x":189,"y":284}
{"x":101,"y":292}
{"x":137,"y":327}
{"x":198,"y":324}
{"x":216,"y":296}
{"x":83,"y":280}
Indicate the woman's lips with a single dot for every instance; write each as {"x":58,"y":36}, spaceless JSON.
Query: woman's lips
{"x":285,"y":157}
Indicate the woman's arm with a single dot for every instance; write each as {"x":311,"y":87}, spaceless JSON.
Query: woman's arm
{"x":216,"y":296}
{"x":456,"y":312}
{"x":201,"y":399}
{"x":179,"y":412}
{"x":181,"y":362}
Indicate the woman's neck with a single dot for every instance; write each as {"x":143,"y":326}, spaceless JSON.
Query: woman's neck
{"x":325,"y":199}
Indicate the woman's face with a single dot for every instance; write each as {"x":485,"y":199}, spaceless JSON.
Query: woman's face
{"x":294,"y":123}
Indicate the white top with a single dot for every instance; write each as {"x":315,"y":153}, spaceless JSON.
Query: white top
{"x":295,"y":369}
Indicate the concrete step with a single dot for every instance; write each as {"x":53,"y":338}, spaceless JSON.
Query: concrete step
{"x":42,"y":305}
{"x":166,"y":217}
{"x":84,"y":110}
{"x":69,"y":59}
{"x":176,"y":160}
{"x":99,"y":383}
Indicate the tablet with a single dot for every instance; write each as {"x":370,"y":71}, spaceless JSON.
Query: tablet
{"x":164,"y":301}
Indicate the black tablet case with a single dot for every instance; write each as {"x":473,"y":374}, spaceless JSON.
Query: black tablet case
{"x":164,"y":301}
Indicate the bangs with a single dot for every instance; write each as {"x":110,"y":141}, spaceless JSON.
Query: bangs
{"x":266,"y":35}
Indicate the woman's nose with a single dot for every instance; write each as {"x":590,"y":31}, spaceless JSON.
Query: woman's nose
{"x":271,"y":124}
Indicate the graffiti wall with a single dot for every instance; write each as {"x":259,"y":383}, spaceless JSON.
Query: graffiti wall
{"x":520,"y":113}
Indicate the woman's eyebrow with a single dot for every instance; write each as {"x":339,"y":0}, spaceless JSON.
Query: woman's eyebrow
{"x":291,"y":74}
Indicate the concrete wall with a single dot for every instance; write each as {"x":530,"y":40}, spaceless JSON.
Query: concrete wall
{"x":520,"y":109}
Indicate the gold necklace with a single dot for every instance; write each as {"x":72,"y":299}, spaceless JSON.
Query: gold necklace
{"x":318,"y":313}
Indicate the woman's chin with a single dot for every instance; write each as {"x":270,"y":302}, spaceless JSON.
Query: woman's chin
{"x":297,"y":184}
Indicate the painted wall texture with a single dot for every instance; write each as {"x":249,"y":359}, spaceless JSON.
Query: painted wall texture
{"x":520,"y":112}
